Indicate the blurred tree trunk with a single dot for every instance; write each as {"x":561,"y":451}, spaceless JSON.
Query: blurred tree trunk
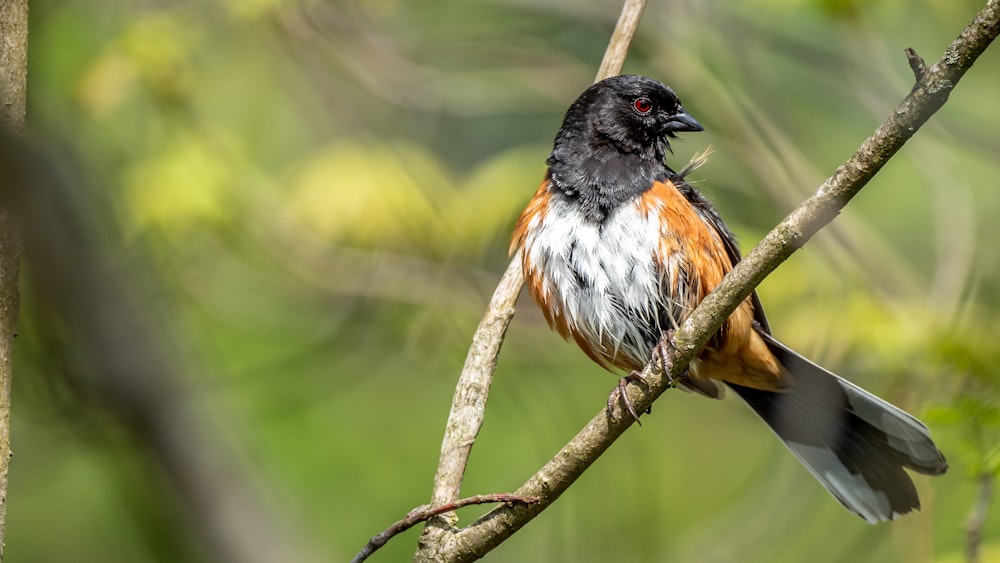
{"x":13,"y":88}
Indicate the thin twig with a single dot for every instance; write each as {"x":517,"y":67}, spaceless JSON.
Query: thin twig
{"x":621,"y":38}
{"x":977,"y":518}
{"x":929,"y":94}
{"x":424,"y":512}
{"x":468,"y":406}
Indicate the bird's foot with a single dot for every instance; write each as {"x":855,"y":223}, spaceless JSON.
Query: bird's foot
{"x":660,"y":360}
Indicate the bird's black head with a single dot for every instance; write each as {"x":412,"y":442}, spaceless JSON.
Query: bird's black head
{"x":613,"y":140}
{"x":633,"y":112}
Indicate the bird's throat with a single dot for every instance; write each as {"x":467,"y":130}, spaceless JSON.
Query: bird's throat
{"x":600,"y":183}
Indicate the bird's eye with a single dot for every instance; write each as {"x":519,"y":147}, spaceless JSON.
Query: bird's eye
{"x":642,"y":105}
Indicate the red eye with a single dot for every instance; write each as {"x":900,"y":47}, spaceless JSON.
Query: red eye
{"x":642,"y":105}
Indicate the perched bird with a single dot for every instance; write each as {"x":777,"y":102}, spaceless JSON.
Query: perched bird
{"x":618,"y":250}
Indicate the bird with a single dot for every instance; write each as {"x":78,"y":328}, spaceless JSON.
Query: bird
{"x":617,"y":249}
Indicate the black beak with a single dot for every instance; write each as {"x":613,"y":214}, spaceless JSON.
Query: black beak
{"x":682,"y":121}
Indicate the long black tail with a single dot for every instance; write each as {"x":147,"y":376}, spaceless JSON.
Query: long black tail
{"x":854,"y":443}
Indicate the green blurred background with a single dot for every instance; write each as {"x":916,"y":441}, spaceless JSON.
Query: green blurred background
{"x":322,"y":193}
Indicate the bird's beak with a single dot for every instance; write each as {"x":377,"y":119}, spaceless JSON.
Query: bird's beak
{"x":682,"y":121}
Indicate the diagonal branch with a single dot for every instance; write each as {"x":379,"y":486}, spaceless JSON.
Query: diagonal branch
{"x":930,"y":92}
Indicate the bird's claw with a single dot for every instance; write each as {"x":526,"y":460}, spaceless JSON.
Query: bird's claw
{"x":619,"y":391}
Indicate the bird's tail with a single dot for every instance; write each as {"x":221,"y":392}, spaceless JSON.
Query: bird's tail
{"x":854,"y":443}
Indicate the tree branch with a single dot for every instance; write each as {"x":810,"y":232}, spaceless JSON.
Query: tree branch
{"x":13,"y":102}
{"x":468,"y":407}
{"x":930,"y":92}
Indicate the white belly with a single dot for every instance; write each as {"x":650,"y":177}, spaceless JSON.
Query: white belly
{"x":603,"y":276}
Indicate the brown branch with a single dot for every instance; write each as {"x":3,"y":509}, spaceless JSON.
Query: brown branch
{"x":621,"y":38}
{"x":13,"y":63}
{"x":424,"y":512}
{"x":977,"y":518}
{"x":928,"y":95}
{"x":468,"y":407}
{"x":13,"y":102}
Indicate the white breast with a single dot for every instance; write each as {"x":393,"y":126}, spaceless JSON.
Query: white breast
{"x":603,"y":276}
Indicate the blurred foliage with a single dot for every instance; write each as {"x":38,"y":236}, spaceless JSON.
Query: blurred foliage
{"x":323,"y":193}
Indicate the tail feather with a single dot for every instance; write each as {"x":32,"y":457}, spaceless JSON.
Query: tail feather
{"x":854,"y":443}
